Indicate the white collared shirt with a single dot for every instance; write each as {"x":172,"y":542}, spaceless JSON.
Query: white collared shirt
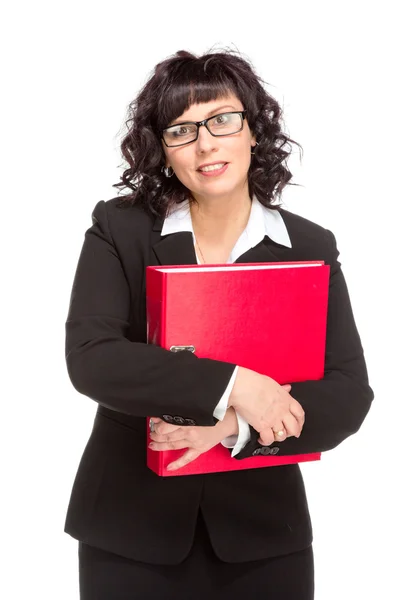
{"x":262,"y":221}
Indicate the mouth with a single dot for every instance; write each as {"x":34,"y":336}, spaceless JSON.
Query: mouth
{"x":214,"y":169}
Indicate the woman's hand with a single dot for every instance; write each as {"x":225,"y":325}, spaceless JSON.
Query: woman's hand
{"x":266,"y":406}
{"x":197,"y":439}
{"x":278,"y":432}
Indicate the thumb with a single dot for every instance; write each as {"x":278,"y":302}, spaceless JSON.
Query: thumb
{"x":287,"y":387}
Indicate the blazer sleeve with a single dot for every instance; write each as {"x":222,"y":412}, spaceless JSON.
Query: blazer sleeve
{"x":336,"y":405}
{"x":134,"y":378}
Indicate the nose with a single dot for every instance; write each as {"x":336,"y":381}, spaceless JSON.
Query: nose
{"x":205,"y":141}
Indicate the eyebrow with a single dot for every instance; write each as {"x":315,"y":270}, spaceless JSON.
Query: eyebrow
{"x":212,"y":112}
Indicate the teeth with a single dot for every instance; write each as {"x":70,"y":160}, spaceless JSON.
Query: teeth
{"x":213,"y":167}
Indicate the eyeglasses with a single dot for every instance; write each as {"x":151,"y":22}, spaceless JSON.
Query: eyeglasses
{"x":221,"y":124}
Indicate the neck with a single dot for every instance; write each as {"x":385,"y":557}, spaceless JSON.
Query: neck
{"x":218,"y":218}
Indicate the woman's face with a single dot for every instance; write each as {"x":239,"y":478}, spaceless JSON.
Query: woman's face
{"x":233,"y":149}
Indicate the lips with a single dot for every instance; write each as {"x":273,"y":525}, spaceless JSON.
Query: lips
{"x":223,"y":163}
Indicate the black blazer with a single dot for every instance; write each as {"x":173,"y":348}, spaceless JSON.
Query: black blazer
{"x":120,"y":505}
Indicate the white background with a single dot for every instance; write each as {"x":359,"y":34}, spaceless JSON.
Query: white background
{"x":69,"y":71}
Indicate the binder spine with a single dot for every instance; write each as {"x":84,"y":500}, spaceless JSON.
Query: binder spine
{"x":155,"y":284}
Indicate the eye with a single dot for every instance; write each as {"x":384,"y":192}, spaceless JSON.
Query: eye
{"x":182,"y":130}
{"x":224,"y":120}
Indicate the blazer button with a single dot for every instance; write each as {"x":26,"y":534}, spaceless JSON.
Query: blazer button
{"x":168,"y":418}
{"x":274,"y":450}
{"x":179,"y":420}
{"x":190,"y":422}
{"x":256,"y":452}
{"x":265,"y":450}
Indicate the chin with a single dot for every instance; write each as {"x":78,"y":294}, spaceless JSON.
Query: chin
{"x":216,"y":191}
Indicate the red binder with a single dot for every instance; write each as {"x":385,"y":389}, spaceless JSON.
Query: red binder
{"x":268,"y":317}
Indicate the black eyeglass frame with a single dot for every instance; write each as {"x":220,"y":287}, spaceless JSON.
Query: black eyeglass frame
{"x":242,"y":113}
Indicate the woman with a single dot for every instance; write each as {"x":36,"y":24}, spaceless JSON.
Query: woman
{"x":206,"y":160}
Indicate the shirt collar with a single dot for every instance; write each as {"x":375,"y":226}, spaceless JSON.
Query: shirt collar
{"x":262,"y":221}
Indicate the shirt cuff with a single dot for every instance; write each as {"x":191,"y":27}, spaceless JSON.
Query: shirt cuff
{"x":222,"y":406}
{"x":238,"y":442}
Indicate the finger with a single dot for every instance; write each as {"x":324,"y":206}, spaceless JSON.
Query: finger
{"x":155,"y":419}
{"x":287,"y":387}
{"x":297,"y":410}
{"x":184,"y":460}
{"x":165,"y":428}
{"x":266,"y":437}
{"x":280,"y":433}
{"x":292,"y":425}
{"x":173,"y":436}
{"x":162,"y":446}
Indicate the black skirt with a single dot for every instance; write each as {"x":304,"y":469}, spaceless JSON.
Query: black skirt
{"x":202,"y":575}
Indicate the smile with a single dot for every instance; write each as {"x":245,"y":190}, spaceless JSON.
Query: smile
{"x":213,"y":170}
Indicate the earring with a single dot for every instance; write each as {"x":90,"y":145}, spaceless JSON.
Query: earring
{"x":257,"y":144}
{"x":168,"y":171}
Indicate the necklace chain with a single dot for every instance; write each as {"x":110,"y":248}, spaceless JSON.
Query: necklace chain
{"x":200,"y":251}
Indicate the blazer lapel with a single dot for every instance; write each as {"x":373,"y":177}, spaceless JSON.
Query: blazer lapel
{"x":266,"y":251}
{"x":175,"y":249}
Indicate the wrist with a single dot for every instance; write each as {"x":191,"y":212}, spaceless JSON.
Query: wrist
{"x":230,"y":423}
{"x":242,"y":383}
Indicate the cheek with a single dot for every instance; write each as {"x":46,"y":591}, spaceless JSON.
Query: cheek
{"x":241,"y":150}
{"x":243,"y":157}
{"x":181,"y":162}
{"x":184,"y":172}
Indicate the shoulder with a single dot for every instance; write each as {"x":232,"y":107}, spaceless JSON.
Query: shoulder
{"x":308,"y":237}
{"x":122,"y":220}
{"x":300,"y":227}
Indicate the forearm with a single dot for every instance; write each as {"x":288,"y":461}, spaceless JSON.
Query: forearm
{"x":141,"y":380}
{"x":335,"y":406}
{"x":130,"y":377}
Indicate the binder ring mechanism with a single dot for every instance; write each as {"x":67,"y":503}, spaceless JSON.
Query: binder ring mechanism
{"x":180,"y":348}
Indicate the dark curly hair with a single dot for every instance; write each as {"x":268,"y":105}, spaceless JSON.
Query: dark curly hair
{"x":176,"y":83}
